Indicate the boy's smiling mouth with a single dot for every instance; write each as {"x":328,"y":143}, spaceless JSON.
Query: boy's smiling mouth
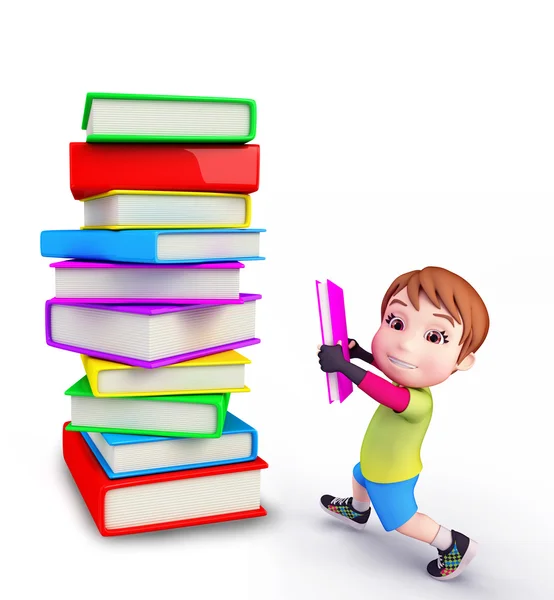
{"x":400,"y":363}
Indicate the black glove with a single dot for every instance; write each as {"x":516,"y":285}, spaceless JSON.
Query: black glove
{"x":358,"y":352}
{"x":331,"y":360}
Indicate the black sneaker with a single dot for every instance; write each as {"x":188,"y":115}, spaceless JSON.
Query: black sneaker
{"x":453,"y":560}
{"x":342,"y":509}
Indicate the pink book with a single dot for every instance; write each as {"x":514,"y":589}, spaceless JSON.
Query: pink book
{"x":144,"y":283}
{"x":332,"y":318}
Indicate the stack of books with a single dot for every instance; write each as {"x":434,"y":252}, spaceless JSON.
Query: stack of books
{"x":150,"y":298}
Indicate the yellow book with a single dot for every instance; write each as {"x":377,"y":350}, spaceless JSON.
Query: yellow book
{"x":143,"y":209}
{"x":217,"y":373}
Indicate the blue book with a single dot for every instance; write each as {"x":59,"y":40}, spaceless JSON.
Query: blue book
{"x":129,"y":455}
{"x":153,"y":245}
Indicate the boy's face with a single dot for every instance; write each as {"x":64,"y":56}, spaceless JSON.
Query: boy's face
{"x":418,"y":348}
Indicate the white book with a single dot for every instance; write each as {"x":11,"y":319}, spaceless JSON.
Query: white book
{"x":157,"y":118}
{"x":165,"y":500}
{"x":220,"y":372}
{"x":188,"y":415}
{"x":124,"y":209}
{"x":123,"y":455}
{"x":153,"y":245}
{"x":141,"y":283}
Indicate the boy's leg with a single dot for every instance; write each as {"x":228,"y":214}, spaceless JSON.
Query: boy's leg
{"x":423,"y":528}
{"x":360,"y":501}
{"x":354,"y":510}
{"x":396,"y":508}
{"x":455,"y":549}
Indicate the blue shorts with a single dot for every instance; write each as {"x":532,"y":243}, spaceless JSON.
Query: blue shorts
{"x":394,"y":503}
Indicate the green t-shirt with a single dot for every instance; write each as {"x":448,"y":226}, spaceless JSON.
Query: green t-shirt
{"x":392,"y":441}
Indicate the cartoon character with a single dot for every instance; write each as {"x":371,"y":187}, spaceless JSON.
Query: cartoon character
{"x":433,"y":322}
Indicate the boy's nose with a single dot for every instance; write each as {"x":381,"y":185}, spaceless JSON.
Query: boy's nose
{"x":407,"y":341}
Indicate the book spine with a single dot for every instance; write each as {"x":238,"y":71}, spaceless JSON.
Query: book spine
{"x":78,"y":459}
{"x":99,"y":168}
{"x":254,"y":438}
{"x":135,"y":362}
{"x":322,"y":328}
{"x":114,"y":246}
{"x":340,"y":334}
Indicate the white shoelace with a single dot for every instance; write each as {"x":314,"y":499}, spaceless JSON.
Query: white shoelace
{"x":340,"y":501}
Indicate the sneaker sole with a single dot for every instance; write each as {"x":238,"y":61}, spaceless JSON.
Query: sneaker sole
{"x":468,"y":557}
{"x":344,"y":519}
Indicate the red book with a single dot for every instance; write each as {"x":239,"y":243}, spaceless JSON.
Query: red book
{"x":99,"y":168}
{"x":163,"y":500}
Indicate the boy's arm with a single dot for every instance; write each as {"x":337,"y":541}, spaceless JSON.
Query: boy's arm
{"x":385,"y":392}
{"x":332,"y":360}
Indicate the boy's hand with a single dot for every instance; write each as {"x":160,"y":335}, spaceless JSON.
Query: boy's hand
{"x":356,"y":351}
{"x":354,"y":348}
{"x":331,"y":359}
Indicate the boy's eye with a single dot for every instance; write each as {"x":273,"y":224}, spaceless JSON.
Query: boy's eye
{"x":436,"y":337}
{"x":395,"y":322}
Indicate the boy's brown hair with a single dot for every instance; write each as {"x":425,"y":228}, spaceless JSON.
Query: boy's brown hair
{"x":455,"y":294}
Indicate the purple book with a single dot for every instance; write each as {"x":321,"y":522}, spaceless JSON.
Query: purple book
{"x":332,"y":319}
{"x":139,"y":283}
{"x":150,"y":336}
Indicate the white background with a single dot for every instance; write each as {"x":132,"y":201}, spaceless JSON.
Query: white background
{"x":402,"y":135}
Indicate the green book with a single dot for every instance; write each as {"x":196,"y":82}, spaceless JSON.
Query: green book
{"x":169,"y":119}
{"x":192,"y":415}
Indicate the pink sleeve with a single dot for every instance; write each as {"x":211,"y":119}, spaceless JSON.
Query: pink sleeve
{"x":384,"y":392}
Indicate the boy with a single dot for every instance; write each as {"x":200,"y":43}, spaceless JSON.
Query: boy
{"x":433,"y":322}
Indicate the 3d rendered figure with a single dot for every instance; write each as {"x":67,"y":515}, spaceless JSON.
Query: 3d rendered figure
{"x":433,"y":322}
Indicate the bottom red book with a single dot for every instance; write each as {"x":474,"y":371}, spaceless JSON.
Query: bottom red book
{"x":164,"y":500}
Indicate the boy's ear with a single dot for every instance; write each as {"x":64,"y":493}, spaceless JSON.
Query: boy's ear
{"x":467,"y":363}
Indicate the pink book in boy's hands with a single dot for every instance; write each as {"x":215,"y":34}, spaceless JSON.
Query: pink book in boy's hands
{"x":332,"y":317}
